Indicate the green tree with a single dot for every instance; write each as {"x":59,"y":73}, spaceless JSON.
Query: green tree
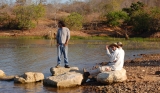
{"x":74,"y":21}
{"x":26,"y":14}
{"x":38,"y":12}
{"x":4,"y":18}
{"x":116,"y":18}
{"x":134,"y":7}
{"x":155,"y":15}
{"x":24,"y":17}
{"x":141,"y":21}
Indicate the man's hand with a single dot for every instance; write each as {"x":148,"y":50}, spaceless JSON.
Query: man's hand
{"x":115,"y":61}
{"x":57,"y":45}
{"x":66,"y":44}
{"x":106,"y":47}
{"x":106,"y":69}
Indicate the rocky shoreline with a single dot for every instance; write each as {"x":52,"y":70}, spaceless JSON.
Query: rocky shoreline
{"x":143,"y":75}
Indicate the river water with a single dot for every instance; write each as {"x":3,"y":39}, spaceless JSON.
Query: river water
{"x":18,"y":56}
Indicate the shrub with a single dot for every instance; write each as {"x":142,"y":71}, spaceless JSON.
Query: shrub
{"x":4,"y":18}
{"x":134,"y":7}
{"x":116,"y":18}
{"x":26,"y":14}
{"x":74,"y":21}
{"x":146,"y":20}
{"x":155,"y":15}
{"x":141,"y":22}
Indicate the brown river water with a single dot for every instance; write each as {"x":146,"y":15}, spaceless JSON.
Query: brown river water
{"x":21,"y":55}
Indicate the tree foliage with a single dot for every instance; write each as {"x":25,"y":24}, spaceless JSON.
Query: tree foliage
{"x":74,"y":21}
{"x":143,"y":19}
{"x":141,"y":22}
{"x":26,"y":14}
{"x":116,"y":18}
{"x":134,"y":7}
{"x":4,"y":17}
{"x":155,"y":15}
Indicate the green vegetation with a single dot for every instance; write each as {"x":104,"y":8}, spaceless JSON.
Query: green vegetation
{"x":143,"y":19}
{"x":136,"y":19}
{"x":24,"y":37}
{"x":26,"y":14}
{"x":23,"y":17}
{"x":134,"y":7}
{"x":74,"y":21}
{"x":141,"y":22}
{"x":116,"y":18}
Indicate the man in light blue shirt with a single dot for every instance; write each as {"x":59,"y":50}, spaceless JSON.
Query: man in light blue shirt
{"x":63,"y":36}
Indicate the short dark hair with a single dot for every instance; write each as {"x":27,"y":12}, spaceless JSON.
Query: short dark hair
{"x":62,"y":23}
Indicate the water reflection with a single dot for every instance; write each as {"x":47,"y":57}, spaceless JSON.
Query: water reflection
{"x":30,"y":87}
{"x":64,"y":90}
{"x":19,"y":56}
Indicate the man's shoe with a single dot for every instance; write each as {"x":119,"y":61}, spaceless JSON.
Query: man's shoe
{"x":66,"y":66}
{"x":58,"y":65}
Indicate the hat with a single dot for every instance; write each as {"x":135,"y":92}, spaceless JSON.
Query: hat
{"x":114,"y":44}
{"x":119,"y":43}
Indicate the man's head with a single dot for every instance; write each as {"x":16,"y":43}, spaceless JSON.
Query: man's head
{"x":113,"y":46}
{"x":119,"y":44}
{"x":61,"y":24}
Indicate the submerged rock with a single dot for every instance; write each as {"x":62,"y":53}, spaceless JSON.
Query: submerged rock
{"x":4,"y":77}
{"x":29,"y":77}
{"x":7,"y":78}
{"x":112,"y":76}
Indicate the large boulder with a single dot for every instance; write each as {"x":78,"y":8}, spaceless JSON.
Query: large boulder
{"x":29,"y":77}
{"x":69,"y":79}
{"x":62,"y":70}
{"x":112,"y":76}
{"x":2,"y":73}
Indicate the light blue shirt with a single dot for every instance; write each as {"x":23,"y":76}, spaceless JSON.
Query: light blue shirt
{"x":63,"y":34}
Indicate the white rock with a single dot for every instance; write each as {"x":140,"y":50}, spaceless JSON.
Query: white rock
{"x":69,"y":79}
{"x":112,"y":76}
{"x":62,"y":70}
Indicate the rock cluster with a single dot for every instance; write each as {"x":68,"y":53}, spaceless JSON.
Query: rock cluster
{"x":64,"y":77}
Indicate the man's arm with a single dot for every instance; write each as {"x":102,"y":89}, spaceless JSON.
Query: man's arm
{"x":57,"y":37}
{"x":68,"y":37}
{"x":107,"y":51}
